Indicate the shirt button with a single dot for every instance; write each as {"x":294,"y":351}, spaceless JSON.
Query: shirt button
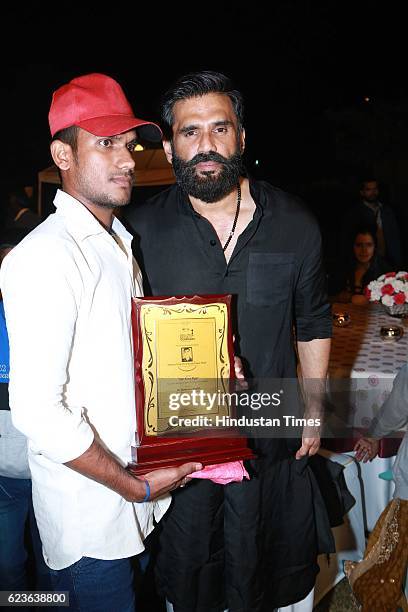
{"x":213,"y":242}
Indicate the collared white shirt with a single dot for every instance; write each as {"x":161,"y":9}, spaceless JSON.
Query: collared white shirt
{"x":67,"y":291}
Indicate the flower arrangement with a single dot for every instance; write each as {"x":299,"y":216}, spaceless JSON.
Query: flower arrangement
{"x":391,"y":290}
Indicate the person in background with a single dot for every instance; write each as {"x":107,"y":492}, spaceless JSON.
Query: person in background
{"x":380,"y":218}
{"x":19,"y":214}
{"x":363,"y":265}
{"x":16,"y":506}
{"x":67,"y":290}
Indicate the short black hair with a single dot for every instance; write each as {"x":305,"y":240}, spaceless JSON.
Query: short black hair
{"x":197,"y":84}
{"x":68,"y":135}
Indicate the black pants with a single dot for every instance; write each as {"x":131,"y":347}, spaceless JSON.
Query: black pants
{"x":247,"y":546}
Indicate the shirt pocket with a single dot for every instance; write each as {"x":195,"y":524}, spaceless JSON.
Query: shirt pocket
{"x":269,"y":278}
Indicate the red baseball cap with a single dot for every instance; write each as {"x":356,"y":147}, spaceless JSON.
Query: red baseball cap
{"x":97,"y":104}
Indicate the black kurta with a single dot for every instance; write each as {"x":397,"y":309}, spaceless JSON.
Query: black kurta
{"x":249,"y":546}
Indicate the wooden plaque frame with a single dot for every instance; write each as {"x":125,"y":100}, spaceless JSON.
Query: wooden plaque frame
{"x":207,"y":446}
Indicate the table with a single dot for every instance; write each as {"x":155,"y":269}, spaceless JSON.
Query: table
{"x":366,"y":364}
{"x":361,"y":372}
{"x":358,"y":350}
{"x":362,"y":364}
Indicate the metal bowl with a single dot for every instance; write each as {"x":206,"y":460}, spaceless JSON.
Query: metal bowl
{"x":391,"y":332}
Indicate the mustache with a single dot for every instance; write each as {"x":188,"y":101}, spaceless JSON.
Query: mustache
{"x":211,"y":156}
{"x":127,"y":174}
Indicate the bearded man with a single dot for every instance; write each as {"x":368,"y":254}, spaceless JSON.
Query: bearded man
{"x":250,"y":545}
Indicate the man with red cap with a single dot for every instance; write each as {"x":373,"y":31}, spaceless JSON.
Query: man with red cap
{"x":67,"y":292}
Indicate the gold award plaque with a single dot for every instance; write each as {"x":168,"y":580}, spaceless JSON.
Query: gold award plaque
{"x":185,"y":350}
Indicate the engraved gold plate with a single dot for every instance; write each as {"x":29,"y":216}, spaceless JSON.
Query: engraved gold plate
{"x":184,"y":349}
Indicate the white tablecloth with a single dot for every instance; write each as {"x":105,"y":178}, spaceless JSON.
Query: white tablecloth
{"x":362,"y":365}
{"x":376,"y":493}
{"x":358,"y":350}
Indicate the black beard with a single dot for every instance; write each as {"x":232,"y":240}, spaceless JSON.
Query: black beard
{"x":372,"y":200}
{"x":210,"y":187}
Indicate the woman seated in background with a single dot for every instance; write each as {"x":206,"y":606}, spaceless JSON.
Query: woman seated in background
{"x":363,"y":264}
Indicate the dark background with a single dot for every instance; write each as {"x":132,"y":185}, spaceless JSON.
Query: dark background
{"x":325,"y":85}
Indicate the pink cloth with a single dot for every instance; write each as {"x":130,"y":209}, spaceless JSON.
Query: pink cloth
{"x":223,"y":473}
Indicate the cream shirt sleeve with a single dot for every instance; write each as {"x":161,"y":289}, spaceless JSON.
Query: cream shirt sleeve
{"x":41,"y":288}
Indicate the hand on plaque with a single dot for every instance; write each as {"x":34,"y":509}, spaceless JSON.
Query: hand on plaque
{"x":239,"y":368}
{"x":239,"y":374}
{"x":165,"y":480}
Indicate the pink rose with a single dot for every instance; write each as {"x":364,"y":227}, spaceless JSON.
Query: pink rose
{"x":390,"y":274}
{"x":367,"y":293}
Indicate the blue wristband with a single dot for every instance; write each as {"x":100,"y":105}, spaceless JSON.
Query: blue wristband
{"x":147,"y":485}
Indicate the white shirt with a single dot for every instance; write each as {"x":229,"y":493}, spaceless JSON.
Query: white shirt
{"x":67,"y":291}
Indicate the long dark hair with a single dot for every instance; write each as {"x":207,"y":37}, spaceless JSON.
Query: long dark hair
{"x":377,"y":265}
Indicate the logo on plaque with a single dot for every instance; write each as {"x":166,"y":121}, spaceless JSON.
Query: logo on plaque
{"x":187,"y":334}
